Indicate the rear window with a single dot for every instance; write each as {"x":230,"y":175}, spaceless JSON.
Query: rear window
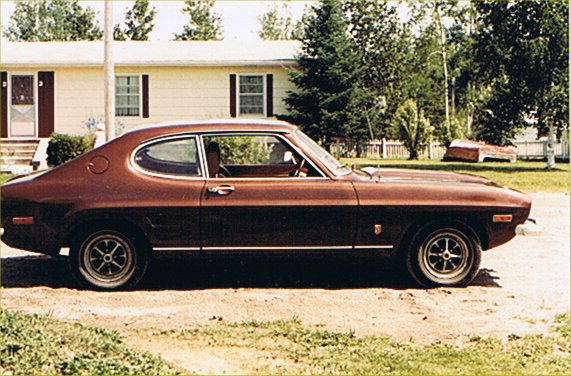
{"x":176,"y":157}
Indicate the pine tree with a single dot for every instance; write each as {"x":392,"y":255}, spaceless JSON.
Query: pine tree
{"x":324,"y":102}
{"x":56,"y":20}
{"x":204,"y":24}
{"x":277,"y":24}
{"x":138,"y":22}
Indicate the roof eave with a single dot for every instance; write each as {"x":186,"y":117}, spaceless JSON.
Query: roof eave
{"x":158,"y":63}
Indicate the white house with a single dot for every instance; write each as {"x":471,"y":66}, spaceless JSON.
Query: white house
{"x":59,"y":86}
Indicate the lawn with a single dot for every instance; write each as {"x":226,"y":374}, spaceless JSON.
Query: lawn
{"x":290,"y":347}
{"x":37,"y":344}
{"x":4,"y":176}
{"x":524,"y":176}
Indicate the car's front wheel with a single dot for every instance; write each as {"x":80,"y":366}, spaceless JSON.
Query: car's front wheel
{"x":108,"y":260}
{"x":446,"y":255}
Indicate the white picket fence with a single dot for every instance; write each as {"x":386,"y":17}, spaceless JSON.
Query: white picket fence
{"x":538,"y":150}
{"x":393,"y":149}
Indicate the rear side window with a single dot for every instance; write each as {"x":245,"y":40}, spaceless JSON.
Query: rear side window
{"x":177,"y":157}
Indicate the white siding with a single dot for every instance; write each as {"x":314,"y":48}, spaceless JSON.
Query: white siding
{"x":175,"y":93}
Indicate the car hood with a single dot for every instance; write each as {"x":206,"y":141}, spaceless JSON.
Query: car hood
{"x":391,"y":174}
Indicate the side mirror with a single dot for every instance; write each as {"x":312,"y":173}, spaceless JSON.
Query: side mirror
{"x":288,"y":156}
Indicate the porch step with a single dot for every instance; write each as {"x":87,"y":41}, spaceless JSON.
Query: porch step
{"x":16,"y":155}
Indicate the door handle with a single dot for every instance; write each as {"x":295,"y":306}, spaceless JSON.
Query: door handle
{"x":221,"y":190}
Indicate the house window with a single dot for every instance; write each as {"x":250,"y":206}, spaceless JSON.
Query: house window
{"x":127,"y":95}
{"x":251,"y":95}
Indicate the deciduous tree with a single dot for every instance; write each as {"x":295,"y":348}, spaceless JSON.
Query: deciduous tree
{"x":203,"y":24}
{"x":138,"y":22}
{"x":412,"y":128}
{"x":380,"y":41}
{"x":522,"y":51}
{"x":56,"y":20}
{"x":277,"y":23}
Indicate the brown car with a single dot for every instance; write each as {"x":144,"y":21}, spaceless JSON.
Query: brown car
{"x":225,"y":188}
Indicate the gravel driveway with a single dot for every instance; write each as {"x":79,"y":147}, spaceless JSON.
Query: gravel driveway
{"x":521,"y":286}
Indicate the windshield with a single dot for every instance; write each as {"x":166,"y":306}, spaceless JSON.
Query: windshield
{"x":327,"y":159}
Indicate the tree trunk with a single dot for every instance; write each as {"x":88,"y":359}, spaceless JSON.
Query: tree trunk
{"x":444,"y":65}
{"x":551,"y":148}
{"x":413,"y":154}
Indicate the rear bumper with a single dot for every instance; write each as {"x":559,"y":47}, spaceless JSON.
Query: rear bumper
{"x":529,"y":228}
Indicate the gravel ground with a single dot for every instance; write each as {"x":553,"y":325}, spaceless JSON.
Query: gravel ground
{"x":521,"y":286}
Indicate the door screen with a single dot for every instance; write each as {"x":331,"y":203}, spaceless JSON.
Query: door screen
{"x":22,"y":106}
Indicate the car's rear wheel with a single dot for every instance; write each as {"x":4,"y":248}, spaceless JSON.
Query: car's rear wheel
{"x":108,"y":260}
{"x":446,"y":255}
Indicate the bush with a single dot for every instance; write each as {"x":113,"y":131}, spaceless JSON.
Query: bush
{"x":63,"y":147}
{"x":412,"y":128}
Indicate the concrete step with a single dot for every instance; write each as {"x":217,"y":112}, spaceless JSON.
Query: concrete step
{"x":10,"y":161}
{"x":28,"y":153}
{"x":16,"y":169}
{"x":16,"y":155}
{"x":29,"y":146}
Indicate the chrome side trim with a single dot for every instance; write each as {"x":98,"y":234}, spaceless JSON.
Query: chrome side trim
{"x":309,"y":247}
{"x":176,"y":248}
{"x":198,"y":132}
{"x":274,"y":248}
{"x":374,"y":247}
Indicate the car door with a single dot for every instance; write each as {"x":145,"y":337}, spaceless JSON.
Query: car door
{"x":169,"y":192}
{"x":269,"y":196}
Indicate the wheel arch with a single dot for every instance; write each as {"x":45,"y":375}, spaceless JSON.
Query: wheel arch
{"x":471,"y":224}
{"x":89,"y":223}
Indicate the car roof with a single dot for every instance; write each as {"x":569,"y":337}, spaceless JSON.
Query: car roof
{"x":214,"y":125}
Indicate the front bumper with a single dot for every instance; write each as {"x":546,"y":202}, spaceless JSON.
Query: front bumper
{"x":529,"y":228}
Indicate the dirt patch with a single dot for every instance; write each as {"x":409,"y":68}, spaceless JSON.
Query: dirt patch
{"x":520,"y":287}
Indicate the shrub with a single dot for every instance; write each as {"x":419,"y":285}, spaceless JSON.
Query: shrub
{"x":63,"y":147}
{"x":412,"y":128}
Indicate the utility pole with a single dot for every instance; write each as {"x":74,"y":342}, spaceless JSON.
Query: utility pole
{"x":109,"y":71}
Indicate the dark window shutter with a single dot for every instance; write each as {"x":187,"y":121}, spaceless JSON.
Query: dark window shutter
{"x":145,"y":95}
{"x":45,"y":104}
{"x":4,"y":98}
{"x":233,"y":95}
{"x":270,"y":95}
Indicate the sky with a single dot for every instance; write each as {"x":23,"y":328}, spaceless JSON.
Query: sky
{"x":239,"y":17}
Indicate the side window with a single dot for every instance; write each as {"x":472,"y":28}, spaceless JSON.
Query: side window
{"x":254,"y":156}
{"x":251,"y":96}
{"x":127,"y":93}
{"x":177,"y":157}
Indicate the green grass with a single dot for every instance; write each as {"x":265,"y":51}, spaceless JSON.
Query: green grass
{"x":524,"y":176}
{"x":296,"y":349}
{"x":35,"y":344}
{"x":4,"y":176}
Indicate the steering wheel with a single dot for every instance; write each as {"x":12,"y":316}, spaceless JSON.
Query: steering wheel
{"x":224,"y":172}
{"x":298,"y":167}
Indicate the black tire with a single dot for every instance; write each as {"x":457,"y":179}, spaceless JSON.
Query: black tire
{"x":444,"y":255}
{"x":108,"y":259}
